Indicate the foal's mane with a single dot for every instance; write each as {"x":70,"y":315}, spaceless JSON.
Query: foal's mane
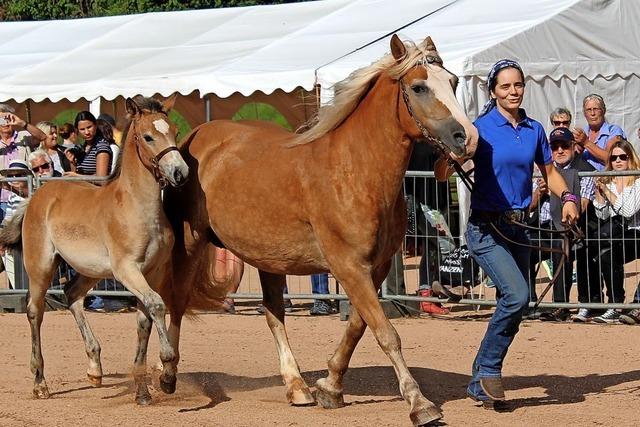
{"x":147,"y":106}
{"x":349,"y":92}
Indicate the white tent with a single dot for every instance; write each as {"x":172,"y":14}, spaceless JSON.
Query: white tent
{"x":568,"y":48}
{"x":219,"y":51}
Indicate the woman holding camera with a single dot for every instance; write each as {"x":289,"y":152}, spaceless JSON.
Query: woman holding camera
{"x":617,"y":204}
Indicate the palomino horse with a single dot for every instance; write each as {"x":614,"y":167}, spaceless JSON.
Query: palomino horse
{"x":329,"y":199}
{"x":115,"y":230}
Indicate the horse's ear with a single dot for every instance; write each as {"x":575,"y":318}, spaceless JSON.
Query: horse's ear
{"x":428,"y":44}
{"x":132,"y":108}
{"x":168,"y":103}
{"x":398,"y":49}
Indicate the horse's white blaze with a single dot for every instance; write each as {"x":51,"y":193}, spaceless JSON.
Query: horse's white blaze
{"x":161,"y":126}
{"x":439,"y":82}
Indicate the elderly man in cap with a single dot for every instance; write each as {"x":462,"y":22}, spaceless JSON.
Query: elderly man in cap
{"x":569,"y":163}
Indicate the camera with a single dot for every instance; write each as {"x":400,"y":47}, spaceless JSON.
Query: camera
{"x":3,"y":121}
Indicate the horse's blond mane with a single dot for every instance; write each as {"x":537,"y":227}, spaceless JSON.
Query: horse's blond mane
{"x":349,"y":92}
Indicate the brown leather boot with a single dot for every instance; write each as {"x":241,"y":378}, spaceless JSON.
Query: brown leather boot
{"x":431,"y":307}
{"x":492,"y":386}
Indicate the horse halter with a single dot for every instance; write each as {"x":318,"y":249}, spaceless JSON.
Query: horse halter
{"x":428,"y":59}
{"x":153,"y":163}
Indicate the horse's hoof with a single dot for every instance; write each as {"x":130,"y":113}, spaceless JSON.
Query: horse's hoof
{"x":328,"y":399}
{"x":143,"y":398}
{"x":168,"y":387}
{"x":301,"y":397}
{"x":95,"y":381}
{"x":41,"y":392}
{"x":426,"y":416}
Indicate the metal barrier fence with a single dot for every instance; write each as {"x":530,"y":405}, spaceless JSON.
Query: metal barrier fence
{"x":433,"y":249}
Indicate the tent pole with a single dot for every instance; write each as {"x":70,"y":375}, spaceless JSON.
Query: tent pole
{"x":94,"y":106}
{"x":207,"y":108}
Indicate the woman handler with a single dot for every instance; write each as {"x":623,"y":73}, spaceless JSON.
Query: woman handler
{"x":510,"y":143}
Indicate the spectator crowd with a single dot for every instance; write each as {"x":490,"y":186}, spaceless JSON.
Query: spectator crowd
{"x":609,"y":205}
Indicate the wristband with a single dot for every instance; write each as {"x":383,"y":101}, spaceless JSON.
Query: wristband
{"x":25,"y":125}
{"x":568,"y":197}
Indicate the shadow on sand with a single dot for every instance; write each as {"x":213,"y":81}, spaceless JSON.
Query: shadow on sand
{"x":438,"y":386}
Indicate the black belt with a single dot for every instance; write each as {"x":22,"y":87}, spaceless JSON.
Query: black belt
{"x":517,"y":215}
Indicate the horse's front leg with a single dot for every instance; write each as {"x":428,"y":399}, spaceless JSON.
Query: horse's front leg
{"x":143,"y":397}
{"x":358,"y":284}
{"x":134,"y":281}
{"x":298,"y":392}
{"x":329,"y":391}
{"x":75,"y":291}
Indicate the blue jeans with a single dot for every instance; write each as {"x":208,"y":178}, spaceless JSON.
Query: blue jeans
{"x":507,"y":265}
{"x":320,"y":283}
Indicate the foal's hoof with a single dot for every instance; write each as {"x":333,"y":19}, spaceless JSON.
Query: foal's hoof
{"x":302,"y":397}
{"x":326,"y":398}
{"x":426,"y":416}
{"x":168,"y":386}
{"x":143,"y":398}
{"x":41,"y":392}
{"x":95,"y":381}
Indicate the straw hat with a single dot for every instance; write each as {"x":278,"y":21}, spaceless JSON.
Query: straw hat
{"x":16,"y":168}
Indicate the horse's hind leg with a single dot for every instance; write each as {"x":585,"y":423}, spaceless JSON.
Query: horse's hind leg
{"x":361,"y":290}
{"x":75,"y":292}
{"x":35,"y":313}
{"x":329,"y":391}
{"x":297,"y":390}
{"x":143,"y":397}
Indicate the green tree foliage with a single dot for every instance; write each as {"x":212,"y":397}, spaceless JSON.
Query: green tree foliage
{"x":39,"y":10}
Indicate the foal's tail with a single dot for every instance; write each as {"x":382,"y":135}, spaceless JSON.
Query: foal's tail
{"x":11,"y":231}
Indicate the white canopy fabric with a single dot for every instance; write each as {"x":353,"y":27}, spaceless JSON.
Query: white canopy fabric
{"x":219,"y":51}
{"x":567,"y":48}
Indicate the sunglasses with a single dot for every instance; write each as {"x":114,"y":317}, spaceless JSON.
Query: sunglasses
{"x":566,"y":145}
{"x":615,"y":157}
{"x":564,"y":123}
{"x":44,"y":167}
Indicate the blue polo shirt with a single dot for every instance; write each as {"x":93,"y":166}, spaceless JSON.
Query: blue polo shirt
{"x":607,"y":131}
{"x":503,"y":162}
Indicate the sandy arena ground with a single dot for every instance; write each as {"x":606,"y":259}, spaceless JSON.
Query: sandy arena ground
{"x":556,"y":374}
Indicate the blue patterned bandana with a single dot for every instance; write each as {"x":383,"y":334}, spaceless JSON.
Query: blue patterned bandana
{"x":491,"y":81}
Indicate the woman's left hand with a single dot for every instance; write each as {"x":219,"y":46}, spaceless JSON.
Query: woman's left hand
{"x":570,"y":213}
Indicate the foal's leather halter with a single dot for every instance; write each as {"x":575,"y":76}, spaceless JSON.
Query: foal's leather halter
{"x":569,"y":234}
{"x":153,"y":163}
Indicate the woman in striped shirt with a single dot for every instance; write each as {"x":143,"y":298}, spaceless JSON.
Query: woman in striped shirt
{"x":97,"y":159}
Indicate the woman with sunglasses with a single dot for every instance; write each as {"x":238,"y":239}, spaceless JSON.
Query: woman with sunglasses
{"x":98,"y":154}
{"x":618,"y":196}
{"x":56,"y":152}
{"x":598,"y":136}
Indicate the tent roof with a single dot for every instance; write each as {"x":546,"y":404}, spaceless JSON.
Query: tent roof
{"x":264,"y":48}
{"x":550,"y":38}
{"x":217,"y":51}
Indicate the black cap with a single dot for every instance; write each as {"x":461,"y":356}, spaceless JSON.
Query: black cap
{"x":561,"y":134}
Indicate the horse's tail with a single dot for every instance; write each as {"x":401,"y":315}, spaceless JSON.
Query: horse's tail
{"x":11,"y":232}
{"x":210,"y":287}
